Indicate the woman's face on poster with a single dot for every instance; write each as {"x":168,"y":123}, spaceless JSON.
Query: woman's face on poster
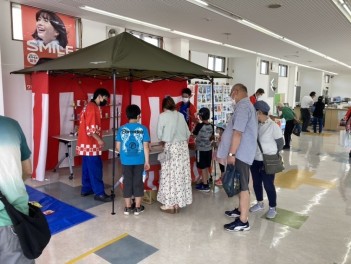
{"x":46,"y":32}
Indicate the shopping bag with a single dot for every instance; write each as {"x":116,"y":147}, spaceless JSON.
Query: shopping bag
{"x":231,"y":181}
{"x":345,"y":139}
{"x":297,"y":129}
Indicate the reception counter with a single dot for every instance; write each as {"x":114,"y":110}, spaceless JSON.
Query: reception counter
{"x":333,"y":117}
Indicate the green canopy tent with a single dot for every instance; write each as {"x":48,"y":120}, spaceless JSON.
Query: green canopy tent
{"x":125,"y":57}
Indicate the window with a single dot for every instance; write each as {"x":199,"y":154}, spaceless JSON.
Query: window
{"x":216,"y":63}
{"x":264,"y":67}
{"x":283,"y":70}
{"x":16,"y":20}
{"x":326,"y":78}
{"x":152,"y":39}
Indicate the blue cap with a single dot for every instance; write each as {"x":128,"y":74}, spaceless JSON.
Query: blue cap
{"x":262,"y":106}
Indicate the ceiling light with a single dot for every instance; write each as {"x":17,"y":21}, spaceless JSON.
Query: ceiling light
{"x":201,"y":2}
{"x":228,"y":15}
{"x":344,"y":7}
{"x":196,"y":37}
{"x":132,"y":20}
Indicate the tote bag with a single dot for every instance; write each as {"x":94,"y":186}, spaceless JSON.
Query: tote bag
{"x":32,"y":230}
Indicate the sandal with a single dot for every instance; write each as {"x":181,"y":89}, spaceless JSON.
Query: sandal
{"x":167,"y":209}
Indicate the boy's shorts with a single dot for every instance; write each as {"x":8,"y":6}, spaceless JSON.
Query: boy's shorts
{"x":133,"y":180}
{"x":203,"y":159}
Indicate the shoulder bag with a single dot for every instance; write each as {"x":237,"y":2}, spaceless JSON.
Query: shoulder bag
{"x":32,"y":230}
{"x":165,"y":155}
{"x":231,"y":181}
{"x":272,"y":163}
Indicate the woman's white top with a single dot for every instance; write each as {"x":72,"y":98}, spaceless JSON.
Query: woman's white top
{"x":268,"y":133}
{"x":171,"y":127}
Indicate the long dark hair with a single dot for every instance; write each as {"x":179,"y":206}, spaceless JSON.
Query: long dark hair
{"x":56,"y":22}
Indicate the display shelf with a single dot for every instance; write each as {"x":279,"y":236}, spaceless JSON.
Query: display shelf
{"x":222,"y":102}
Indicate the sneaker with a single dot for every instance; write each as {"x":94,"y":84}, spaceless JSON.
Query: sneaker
{"x":233,"y":214}
{"x":103,"y":198}
{"x":219,"y":182}
{"x":203,"y":188}
{"x":127,"y":210}
{"x":198,"y":185}
{"x":237,"y":225}
{"x":139,"y":210}
{"x":271,"y":213}
{"x":256,"y":208}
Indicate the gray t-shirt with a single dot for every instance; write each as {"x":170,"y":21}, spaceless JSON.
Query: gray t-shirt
{"x":244,"y":119}
{"x":203,"y":133}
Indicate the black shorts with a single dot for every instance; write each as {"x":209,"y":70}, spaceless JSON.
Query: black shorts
{"x":203,"y":159}
{"x":133,"y":180}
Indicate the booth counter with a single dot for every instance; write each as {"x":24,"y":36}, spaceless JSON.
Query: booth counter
{"x":333,"y":117}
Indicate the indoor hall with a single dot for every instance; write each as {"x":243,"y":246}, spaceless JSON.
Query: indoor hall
{"x":312,"y":226}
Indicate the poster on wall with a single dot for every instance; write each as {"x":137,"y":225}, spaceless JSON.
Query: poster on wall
{"x":46,"y":35}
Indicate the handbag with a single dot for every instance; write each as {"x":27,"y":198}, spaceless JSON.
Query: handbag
{"x":32,"y":230}
{"x":297,"y":129}
{"x":231,"y":181}
{"x":165,"y":155}
{"x":272,"y":163}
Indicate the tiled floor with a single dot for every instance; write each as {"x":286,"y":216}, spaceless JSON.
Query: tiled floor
{"x":313,"y":225}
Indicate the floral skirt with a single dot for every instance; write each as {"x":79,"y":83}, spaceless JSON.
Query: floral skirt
{"x":175,"y":179}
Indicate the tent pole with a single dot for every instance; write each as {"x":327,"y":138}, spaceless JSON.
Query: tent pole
{"x":113,"y":140}
{"x":213,"y":123}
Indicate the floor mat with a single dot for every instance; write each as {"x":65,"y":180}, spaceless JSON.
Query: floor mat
{"x":70,"y":195}
{"x":128,"y":250}
{"x":63,"y":216}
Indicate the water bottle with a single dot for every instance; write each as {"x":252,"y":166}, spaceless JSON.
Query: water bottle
{"x":144,"y":175}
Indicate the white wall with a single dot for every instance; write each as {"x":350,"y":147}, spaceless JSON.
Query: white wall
{"x":93,"y":32}
{"x":340,"y":86}
{"x":311,"y":81}
{"x":16,"y":100}
{"x":244,"y":71}
{"x":292,"y":82}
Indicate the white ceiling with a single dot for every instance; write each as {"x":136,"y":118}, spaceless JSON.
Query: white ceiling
{"x":317,"y":24}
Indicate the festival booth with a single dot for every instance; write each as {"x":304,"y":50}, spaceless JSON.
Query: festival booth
{"x":133,"y":70}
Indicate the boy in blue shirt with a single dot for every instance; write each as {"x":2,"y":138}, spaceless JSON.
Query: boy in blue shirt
{"x":132,"y":142}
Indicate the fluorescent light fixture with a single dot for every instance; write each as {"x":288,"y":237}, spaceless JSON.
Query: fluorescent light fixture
{"x":259,"y":28}
{"x":230,"y":16}
{"x":344,"y":8}
{"x":201,"y":2}
{"x":237,"y":48}
{"x":294,"y":43}
{"x":196,"y":37}
{"x":132,"y":20}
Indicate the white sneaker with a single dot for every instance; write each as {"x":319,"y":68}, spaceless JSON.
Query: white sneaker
{"x":257,"y":207}
{"x":271,"y":214}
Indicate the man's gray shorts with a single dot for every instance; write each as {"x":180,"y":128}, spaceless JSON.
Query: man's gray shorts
{"x":10,"y":248}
